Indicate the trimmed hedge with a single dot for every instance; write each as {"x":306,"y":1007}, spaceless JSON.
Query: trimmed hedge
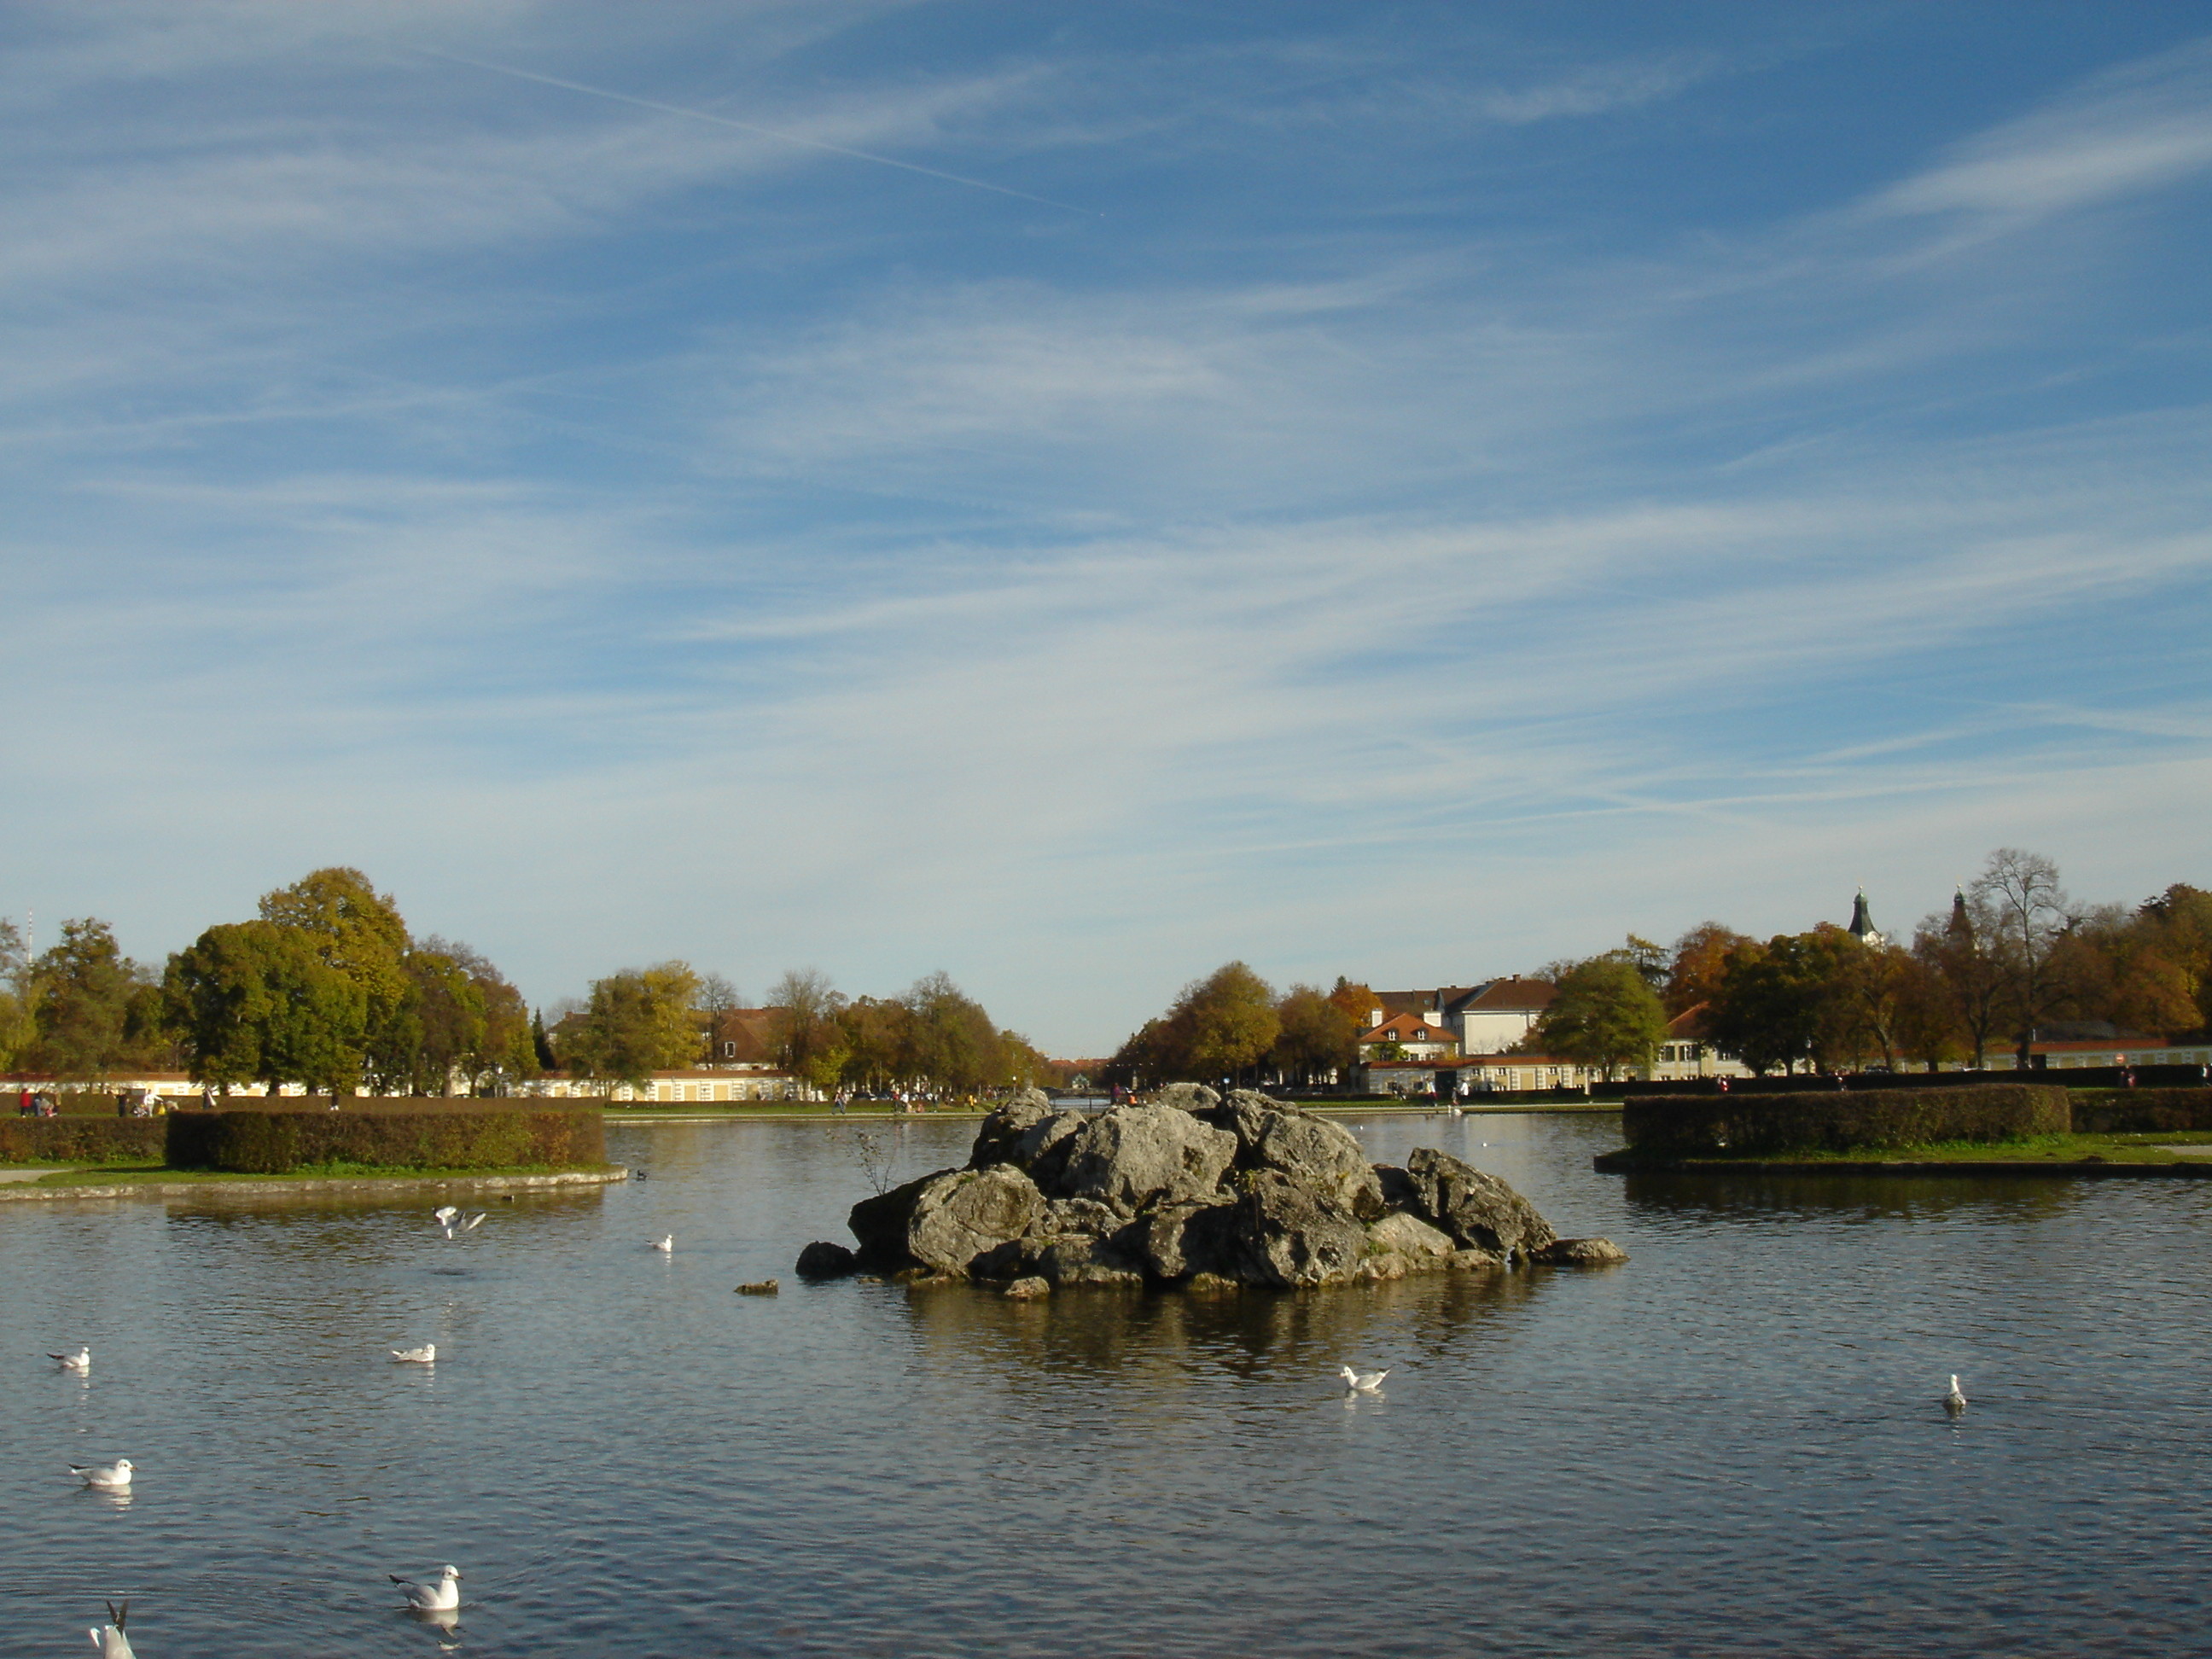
{"x":2142,"y":1111}
{"x":109,"y":1140}
{"x":1735,"y":1126}
{"x":399,"y":1134}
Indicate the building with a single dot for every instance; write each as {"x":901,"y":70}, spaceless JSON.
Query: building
{"x":1486,"y":1018}
{"x":1687,"y":1052}
{"x":1407,"y":1036}
{"x":1862,"y":928}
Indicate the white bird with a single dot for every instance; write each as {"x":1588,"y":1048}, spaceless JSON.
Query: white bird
{"x":1364,"y":1381}
{"x":446,"y":1215}
{"x":666,"y":1244}
{"x":109,"y":1638}
{"x":1955,"y":1402}
{"x":79,"y":1361}
{"x":439,"y":1595}
{"x":108,"y":1477}
{"x":425,"y":1355}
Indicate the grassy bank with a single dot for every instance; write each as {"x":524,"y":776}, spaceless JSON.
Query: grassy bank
{"x":144,"y":1174}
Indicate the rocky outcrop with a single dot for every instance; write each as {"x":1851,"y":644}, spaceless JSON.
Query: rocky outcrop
{"x":1190,"y":1189}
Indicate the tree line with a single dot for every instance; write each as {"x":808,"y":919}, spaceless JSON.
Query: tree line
{"x":2013,"y":954}
{"x":327,"y":988}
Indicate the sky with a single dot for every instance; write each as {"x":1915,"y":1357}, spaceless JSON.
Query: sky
{"x":1069,"y":495}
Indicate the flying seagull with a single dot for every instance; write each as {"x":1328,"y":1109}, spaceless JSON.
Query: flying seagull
{"x":1363,"y":1382}
{"x":446,"y":1215}
{"x":439,"y":1595}
{"x":79,"y":1361}
{"x":107,"y":1477}
{"x":1955,"y":1402}
{"x":109,"y":1638}
{"x":425,"y":1355}
{"x":666,"y":1244}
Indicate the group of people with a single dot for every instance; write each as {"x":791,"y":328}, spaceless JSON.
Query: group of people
{"x":128,"y":1103}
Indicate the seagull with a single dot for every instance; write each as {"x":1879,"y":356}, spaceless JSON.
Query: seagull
{"x":425,"y":1355}
{"x":107,"y":1477}
{"x":440,"y":1594}
{"x":456,"y":1223}
{"x":1955,"y":1402}
{"x":79,"y":1361}
{"x":666,"y":1244}
{"x":109,"y":1638}
{"x":1362,"y":1381}
{"x":446,"y":1215}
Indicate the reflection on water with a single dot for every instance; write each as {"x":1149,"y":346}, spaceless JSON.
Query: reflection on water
{"x":1736,"y":1444}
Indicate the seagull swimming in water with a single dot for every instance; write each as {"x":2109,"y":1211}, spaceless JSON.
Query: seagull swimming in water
{"x":107,"y":1477}
{"x":425,"y":1355}
{"x":1955,"y":1402}
{"x":1361,"y":1382}
{"x":109,"y":1638}
{"x":666,"y":1244}
{"x":439,"y":1595}
{"x":79,"y":1361}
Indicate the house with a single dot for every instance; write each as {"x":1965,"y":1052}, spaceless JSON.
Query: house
{"x":696,"y":1083}
{"x":1407,"y":1037}
{"x":1472,"y":1075}
{"x":1484,"y":1018}
{"x":1687,"y":1052}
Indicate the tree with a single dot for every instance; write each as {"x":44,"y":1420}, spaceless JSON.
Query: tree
{"x":1606,"y":1014}
{"x":955,"y":1046}
{"x":1968,"y":979}
{"x":806,"y":1029}
{"x":254,"y":1002}
{"x":2028,"y":915}
{"x":717,"y":996}
{"x":1225,"y":1023}
{"x":91,"y":1008}
{"x":1764,"y":1012}
{"x":1357,"y":1001}
{"x":18,"y":1030}
{"x":359,"y":931}
{"x":1693,"y":974}
{"x":1318,"y":1037}
{"x":637,"y":1022}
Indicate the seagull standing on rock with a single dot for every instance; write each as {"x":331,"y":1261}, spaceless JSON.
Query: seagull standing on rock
{"x":1362,"y":1381}
{"x":109,"y":1638}
{"x":439,"y":1595}
{"x":105,"y":1477}
{"x":79,"y":1361}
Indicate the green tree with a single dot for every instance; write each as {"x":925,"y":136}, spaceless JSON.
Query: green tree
{"x":254,"y":1001}
{"x":18,"y":1030}
{"x":1225,"y":1022}
{"x":637,"y":1022}
{"x":358,"y":932}
{"x":89,"y":1004}
{"x":955,"y":1046}
{"x":1606,"y":1015}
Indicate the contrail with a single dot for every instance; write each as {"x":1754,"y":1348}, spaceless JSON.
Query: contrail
{"x":747,"y":126}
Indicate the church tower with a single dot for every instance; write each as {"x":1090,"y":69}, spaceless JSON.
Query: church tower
{"x":1863,"y":927}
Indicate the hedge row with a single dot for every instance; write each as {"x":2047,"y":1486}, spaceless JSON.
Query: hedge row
{"x":1730,"y":1126}
{"x":109,"y":1140}
{"x":2142,"y":1111}
{"x":448,"y":1135}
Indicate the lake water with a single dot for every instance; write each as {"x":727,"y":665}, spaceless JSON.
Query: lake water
{"x":1732,"y":1445}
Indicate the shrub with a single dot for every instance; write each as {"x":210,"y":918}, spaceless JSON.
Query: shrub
{"x":109,"y":1140}
{"x":2141,"y":1111}
{"x":1730,"y":1126}
{"x":401,"y":1134}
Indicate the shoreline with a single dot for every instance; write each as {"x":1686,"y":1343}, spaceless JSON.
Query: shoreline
{"x":648,"y":1114}
{"x":2180,"y":1168}
{"x":297,"y":1186}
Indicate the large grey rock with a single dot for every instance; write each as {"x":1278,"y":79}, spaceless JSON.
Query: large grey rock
{"x":1412,"y":1238}
{"x":1581,"y":1253}
{"x":1177,"y":1240}
{"x":999,"y":1138}
{"x":1479,"y":1209}
{"x":1074,"y":1215}
{"x":943,"y":1221}
{"x":1283,"y":1234}
{"x":1185,"y":1096}
{"x":1042,"y":1148}
{"x":1324,"y":1157}
{"x":1134,"y":1157}
{"x":1079,"y":1259}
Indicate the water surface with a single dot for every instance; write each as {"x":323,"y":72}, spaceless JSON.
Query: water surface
{"x":1729,"y":1446}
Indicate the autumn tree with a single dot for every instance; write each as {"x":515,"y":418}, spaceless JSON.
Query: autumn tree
{"x":92,"y":1009}
{"x":18,"y":1030}
{"x":1607,"y":1015}
{"x":1693,"y":971}
{"x":2028,"y":916}
{"x":1318,"y":1035}
{"x":809,"y":1041}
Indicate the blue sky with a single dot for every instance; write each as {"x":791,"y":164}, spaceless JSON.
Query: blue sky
{"x":1069,"y":495}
